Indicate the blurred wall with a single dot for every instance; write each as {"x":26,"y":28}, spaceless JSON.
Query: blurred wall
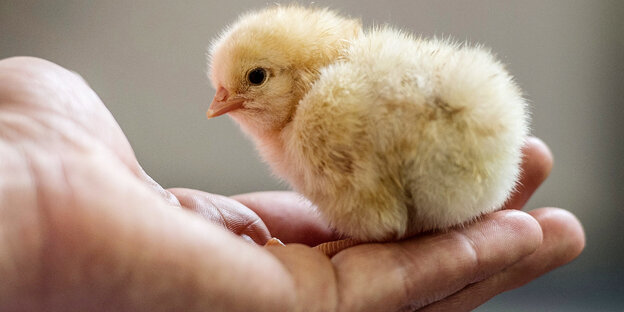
{"x":146,"y":60}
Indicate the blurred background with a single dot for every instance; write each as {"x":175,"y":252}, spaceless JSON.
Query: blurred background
{"x":146,"y":60}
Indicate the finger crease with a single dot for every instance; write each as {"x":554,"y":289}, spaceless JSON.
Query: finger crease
{"x":471,"y":256}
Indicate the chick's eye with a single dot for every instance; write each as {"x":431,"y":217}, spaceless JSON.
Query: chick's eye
{"x":257,"y":76}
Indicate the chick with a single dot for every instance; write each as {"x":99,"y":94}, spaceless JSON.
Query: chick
{"x":387,"y":134}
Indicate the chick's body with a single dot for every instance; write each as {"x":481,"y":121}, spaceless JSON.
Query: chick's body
{"x":393,"y":135}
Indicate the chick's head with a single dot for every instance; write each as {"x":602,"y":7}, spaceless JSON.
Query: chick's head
{"x":264,"y":63}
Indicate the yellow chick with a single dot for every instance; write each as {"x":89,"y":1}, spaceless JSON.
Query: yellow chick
{"x":389,"y":135}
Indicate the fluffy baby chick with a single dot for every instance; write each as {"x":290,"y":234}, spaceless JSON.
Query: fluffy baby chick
{"x":389,"y":135}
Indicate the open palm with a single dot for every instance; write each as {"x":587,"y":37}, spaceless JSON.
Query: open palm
{"x":82,"y":227}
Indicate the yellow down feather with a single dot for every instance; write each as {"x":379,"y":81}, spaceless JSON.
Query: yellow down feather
{"x":388,"y":134}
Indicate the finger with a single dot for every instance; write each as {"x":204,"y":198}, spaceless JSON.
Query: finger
{"x":564,"y":240}
{"x":224,"y":211}
{"x":289,"y":217}
{"x":419,"y":271}
{"x":537,"y":162}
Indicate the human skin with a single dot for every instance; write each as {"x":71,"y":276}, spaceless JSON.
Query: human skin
{"x":82,"y":227}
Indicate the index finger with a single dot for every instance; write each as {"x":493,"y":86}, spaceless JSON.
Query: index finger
{"x":419,"y":271}
{"x":289,"y":216}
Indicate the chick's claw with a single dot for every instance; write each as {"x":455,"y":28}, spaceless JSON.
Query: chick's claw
{"x":274,"y":242}
{"x":330,"y":249}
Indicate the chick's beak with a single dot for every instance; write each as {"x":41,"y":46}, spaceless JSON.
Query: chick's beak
{"x":223,"y":104}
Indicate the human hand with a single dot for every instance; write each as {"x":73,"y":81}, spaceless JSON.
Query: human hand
{"x":82,"y":227}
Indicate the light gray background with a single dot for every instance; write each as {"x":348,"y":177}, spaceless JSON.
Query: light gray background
{"x":146,"y":60}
